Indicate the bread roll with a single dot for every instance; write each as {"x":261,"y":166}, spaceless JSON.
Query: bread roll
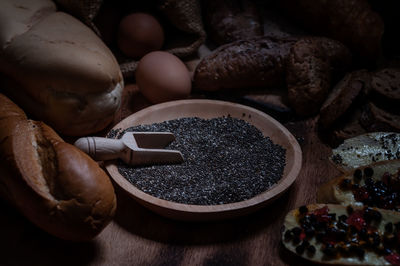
{"x":56,"y":68}
{"x":54,"y":184}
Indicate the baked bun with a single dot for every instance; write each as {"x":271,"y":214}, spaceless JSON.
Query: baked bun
{"x":56,"y":68}
{"x":54,"y":184}
{"x":340,"y":235}
{"x":375,"y":185}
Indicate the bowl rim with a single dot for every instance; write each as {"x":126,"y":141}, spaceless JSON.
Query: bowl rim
{"x":195,"y":212}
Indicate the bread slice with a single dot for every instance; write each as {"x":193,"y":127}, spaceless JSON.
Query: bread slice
{"x":366,"y":149}
{"x":340,"y":235}
{"x":385,"y":89}
{"x":377,"y":119}
{"x":375,"y":185}
{"x":341,"y":97}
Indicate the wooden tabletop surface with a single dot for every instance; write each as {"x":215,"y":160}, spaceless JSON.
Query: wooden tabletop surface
{"x":139,"y":237}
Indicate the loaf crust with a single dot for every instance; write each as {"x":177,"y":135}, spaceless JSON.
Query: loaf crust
{"x":55,"y":185}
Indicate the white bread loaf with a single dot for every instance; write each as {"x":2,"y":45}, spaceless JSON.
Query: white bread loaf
{"x":56,"y":68}
{"x":52,"y":183}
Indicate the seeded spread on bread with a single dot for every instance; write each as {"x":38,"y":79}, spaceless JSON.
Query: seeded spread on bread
{"x":375,"y":185}
{"x":343,"y":235}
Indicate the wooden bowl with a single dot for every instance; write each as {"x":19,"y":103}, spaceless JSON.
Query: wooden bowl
{"x":210,"y":109}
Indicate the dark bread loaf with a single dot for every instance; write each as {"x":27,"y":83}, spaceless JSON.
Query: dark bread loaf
{"x":352,"y":22}
{"x":54,"y":184}
{"x":311,"y":65}
{"x":374,"y":119}
{"x":341,"y":97}
{"x":227,"y":21}
{"x":256,"y":62}
{"x":385,"y":89}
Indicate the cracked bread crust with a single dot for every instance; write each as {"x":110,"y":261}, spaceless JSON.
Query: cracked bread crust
{"x":55,"y":185}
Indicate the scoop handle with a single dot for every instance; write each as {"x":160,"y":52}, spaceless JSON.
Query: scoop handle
{"x":101,"y":149}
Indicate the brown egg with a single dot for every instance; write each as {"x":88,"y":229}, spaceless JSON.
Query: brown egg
{"x":139,"y":34}
{"x":162,"y":77}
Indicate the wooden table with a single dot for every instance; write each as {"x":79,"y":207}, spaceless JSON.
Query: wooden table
{"x":140,"y":237}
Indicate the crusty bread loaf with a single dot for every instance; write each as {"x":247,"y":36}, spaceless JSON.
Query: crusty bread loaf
{"x":54,"y":184}
{"x":56,"y":68}
{"x":340,"y":235}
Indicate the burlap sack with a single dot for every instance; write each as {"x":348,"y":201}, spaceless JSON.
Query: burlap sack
{"x":185,"y":15}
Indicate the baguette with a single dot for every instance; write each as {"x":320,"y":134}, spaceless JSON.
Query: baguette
{"x":55,"y":185}
{"x":340,"y":235}
{"x":56,"y":68}
{"x":375,"y":185}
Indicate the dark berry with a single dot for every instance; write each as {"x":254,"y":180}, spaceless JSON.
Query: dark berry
{"x":305,"y":243}
{"x":369,"y":182}
{"x":345,"y":184}
{"x":368,"y":171}
{"x":329,"y":250}
{"x":296,"y":231}
{"x":309,"y":232}
{"x":303,"y":209}
{"x":311,"y":249}
{"x":357,"y":250}
{"x":343,"y":217}
{"x":288,"y":235}
{"x":296,"y":240}
{"x":357,"y":174}
{"x":349,"y":209}
{"x":300,"y":249}
{"x":389,"y":227}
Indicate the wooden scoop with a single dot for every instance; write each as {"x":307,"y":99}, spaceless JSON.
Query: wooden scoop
{"x":134,"y":148}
